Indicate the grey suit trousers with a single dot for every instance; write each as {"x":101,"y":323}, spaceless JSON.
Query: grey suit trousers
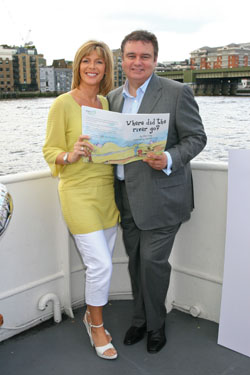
{"x":149,"y":268}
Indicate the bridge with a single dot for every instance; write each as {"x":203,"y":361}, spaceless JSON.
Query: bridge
{"x":210,"y":81}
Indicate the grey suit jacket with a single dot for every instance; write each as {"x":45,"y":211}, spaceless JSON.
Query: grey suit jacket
{"x":157,"y":200}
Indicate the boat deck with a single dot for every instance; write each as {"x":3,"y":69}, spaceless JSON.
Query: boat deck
{"x":62,"y":349}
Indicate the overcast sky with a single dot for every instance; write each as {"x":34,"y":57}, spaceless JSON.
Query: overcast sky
{"x":58,"y":28}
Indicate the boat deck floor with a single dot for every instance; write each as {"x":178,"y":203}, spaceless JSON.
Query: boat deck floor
{"x":63,"y":349}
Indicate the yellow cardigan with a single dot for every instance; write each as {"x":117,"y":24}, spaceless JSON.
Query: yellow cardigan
{"x":85,"y":189}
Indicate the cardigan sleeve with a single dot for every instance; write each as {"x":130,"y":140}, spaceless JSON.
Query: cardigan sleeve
{"x":55,"y":141}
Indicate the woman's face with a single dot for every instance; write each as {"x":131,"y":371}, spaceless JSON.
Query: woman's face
{"x":92,"y":69}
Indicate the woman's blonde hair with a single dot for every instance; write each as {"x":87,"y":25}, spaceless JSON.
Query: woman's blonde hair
{"x":103,"y":51}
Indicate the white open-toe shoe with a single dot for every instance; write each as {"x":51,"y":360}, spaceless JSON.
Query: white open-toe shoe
{"x":88,"y":325}
{"x":100,"y":350}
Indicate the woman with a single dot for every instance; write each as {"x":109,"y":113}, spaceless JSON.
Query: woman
{"x":86,"y":189}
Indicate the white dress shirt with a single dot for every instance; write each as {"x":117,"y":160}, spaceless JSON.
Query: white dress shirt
{"x":132,"y":105}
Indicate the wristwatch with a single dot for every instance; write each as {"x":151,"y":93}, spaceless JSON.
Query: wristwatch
{"x":65,"y":158}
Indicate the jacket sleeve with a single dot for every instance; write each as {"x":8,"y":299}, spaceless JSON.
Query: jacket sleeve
{"x":189,"y":128}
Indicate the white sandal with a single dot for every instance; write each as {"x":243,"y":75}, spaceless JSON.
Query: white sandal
{"x":88,"y":325}
{"x":100,"y":350}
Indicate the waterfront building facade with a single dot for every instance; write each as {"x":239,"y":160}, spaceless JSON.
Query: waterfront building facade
{"x":47,"y":79}
{"x":63,"y":79}
{"x":26,"y":63}
{"x":55,"y":79}
{"x":6,"y":69}
{"x":172,"y":65}
{"x":229,"y":56}
{"x":119,"y":75}
{"x":19,"y":68}
{"x":62,"y":75}
{"x":62,"y":63}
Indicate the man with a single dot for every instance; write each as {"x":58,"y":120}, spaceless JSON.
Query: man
{"x":155,"y":195}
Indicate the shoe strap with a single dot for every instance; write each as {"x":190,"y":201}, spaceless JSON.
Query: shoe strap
{"x":102,"y":349}
{"x":93,"y":326}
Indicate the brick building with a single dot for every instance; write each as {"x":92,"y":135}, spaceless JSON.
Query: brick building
{"x":6,"y":69}
{"x":19,"y":68}
{"x":119,"y":75}
{"x":229,"y":56}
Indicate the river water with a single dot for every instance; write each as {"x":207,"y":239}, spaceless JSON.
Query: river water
{"x":23,"y":126}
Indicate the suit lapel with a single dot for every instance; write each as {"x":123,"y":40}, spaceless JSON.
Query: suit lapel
{"x":151,"y":96}
{"x":119,"y":102}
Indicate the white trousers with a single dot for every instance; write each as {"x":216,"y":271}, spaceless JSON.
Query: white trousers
{"x":96,"y":250}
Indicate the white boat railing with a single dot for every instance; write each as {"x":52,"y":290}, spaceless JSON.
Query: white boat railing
{"x":38,"y":257}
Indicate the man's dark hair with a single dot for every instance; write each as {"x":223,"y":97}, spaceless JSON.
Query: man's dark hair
{"x":144,"y":36}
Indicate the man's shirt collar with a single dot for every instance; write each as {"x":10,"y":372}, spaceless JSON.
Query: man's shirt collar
{"x":142,"y":88}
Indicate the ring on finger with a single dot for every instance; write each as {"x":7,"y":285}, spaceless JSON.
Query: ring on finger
{"x":82,"y":148}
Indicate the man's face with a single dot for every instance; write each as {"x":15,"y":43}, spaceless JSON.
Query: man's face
{"x":138,"y":61}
